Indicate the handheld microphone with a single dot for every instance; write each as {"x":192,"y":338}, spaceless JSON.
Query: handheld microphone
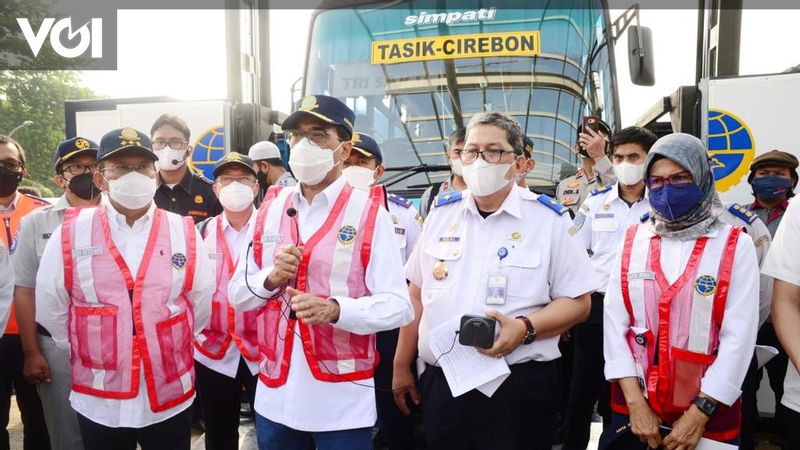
{"x":292,"y":213}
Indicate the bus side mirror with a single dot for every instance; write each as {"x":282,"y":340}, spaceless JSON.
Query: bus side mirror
{"x":640,"y":55}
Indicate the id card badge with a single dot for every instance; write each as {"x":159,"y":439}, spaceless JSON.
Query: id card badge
{"x":496,"y":288}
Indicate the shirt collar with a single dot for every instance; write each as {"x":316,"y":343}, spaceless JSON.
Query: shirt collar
{"x":61,"y":204}
{"x":226,"y":224}
{"x":185,"y":183}
{"x":329,"y":194}
{"x":511,"y":204}
{"x":118,"y":220}
{"x":11,"y":206}
{"x":782,"y":205}
{"x":614,"y":195}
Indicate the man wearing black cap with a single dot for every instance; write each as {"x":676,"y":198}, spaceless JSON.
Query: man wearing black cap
{"x":530,"y":163}
{"x":127,"y":285}
{"x":180,"y":190}
{"x":325,"y":275}
{"x":773,"y":177}
{"x":596,"y":168}
{"x":362,"y":170}
{"x":226,"y":353}
{"x":46,"y":363}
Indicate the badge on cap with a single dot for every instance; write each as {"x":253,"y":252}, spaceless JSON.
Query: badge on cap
{"x":178,"y":260}
{"x":347,"y":234}
{"x":356,"y":138}
{"x":82,"y":144}
{"x":439,"y":270}
{"x":309,"y":103}
{"x":129,"y":136}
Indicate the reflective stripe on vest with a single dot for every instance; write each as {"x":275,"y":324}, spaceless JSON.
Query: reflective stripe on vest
{"x":112,"y":330}
{"x":226,"y":325}
{"x":330,"y":267}
{"x":686,"y":317}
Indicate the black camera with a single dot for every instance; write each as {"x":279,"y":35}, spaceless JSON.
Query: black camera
{"x":477,"y":331}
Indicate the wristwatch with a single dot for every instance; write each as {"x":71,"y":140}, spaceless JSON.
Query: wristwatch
{"x":705,"y":405}
{"x":530,"y":334}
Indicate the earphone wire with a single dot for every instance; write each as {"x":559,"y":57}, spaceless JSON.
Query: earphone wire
{"x":286,"y":317}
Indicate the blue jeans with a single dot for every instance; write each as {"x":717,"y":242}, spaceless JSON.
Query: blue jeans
{"x":274,"y":436}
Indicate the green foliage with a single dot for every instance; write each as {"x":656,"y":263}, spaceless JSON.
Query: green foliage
{"x":38,"y":96}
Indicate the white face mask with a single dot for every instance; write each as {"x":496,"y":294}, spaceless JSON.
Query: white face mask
{"x":629,"y":174}
{"x":309,"y":162}
{"x":132,"y":190}
{"x":169,"y":159}
{"x":483,"y":178}
{"x":236,"y":196}
{"x":359,"y":177}
{"x":457,"y":167}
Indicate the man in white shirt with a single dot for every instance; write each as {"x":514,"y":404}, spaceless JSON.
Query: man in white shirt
{"x":783,"y":266}
{"x":126,"y":286}
{"x":325,"y":275}
{"x":502,"y":251}
{"x":600,"y":224}
{"x":226,"y":351}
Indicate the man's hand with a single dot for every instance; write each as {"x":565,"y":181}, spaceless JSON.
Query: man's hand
{"x":645,"y":423}
{"x":36,"y":370}
{"x":403,"y":384}
{"x":594,"y":143}
{"x":311,"y":309}
{"x":286,"y":263}
{"x":512,"y":332}
{"x":687,"y":431}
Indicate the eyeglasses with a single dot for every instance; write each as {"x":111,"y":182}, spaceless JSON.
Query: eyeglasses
{"x":120,"y":171}
{"x":681,"y":179}
{"x":225,"y":180}
{"x":175,"y":144}
{"x":318,"y":137}
{"x":78,"y":169}
{"x":490,"y":156}
{"x":12,"y":165}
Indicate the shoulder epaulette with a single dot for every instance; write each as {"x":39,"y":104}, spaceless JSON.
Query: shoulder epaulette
{"x":645,"y":217}
{"x":602,"y":189}
{"x":742,"y":213}
{"x":446,"y":198}
{"x":552,"y":203}
{"x":399,"y":201}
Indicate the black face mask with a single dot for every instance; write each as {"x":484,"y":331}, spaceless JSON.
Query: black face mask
{"x":83,"y":186}
{"x":9,"y":181}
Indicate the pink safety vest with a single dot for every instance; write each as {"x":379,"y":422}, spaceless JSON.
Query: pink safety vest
{"x":117,"y":319}
{"x":334,"y":264}
{"x":674,"y":332}
{"x":226,"y":324}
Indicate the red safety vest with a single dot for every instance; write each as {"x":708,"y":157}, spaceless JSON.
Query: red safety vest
{"x":675,"y":328}
{"x":117,"y":318}
{"x":226,"y":324}
{"x":334,"y":264}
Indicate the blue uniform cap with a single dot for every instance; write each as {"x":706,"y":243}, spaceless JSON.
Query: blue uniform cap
{"x":327,"y":109}
{"x":125,"y":140}
{"x":366,"y":145}
{"x":72,"y":148}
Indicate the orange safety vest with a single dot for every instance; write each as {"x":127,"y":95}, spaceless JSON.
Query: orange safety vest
{"x":10,"y":226}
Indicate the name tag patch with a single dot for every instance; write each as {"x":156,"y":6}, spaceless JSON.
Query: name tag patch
{"x":215,"y":256}
{"x":641,"y":276}
{"x":604,"y":216}
{"x":272,"y":238}
{"x":398,"y":230}
{"x":87,"y":251}
{"x":449,"y":239}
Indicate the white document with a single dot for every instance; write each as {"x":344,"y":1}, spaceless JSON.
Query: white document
{"x":764,"y":353}
{"x":464,"y":367}
{"x":708,"y":444}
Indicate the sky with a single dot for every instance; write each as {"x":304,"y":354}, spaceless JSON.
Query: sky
{"x":192,"y":66}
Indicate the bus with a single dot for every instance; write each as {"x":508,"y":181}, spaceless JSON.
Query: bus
{"x":414,"y":71}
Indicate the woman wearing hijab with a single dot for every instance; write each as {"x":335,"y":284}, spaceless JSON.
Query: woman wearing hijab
{"x":681,"y":310}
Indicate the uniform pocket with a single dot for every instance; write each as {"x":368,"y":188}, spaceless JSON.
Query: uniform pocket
{"x":96,"y":328}
{"x":522,"y":271}
{"x":688,"y":369}
{"x":175,"y":344}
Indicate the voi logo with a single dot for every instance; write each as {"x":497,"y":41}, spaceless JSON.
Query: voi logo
{"x":88,"y":37}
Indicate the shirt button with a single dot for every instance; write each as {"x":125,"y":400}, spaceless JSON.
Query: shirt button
{"x":173,"y":199}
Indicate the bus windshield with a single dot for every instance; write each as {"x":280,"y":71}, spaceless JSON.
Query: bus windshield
{"x":413,"y":75}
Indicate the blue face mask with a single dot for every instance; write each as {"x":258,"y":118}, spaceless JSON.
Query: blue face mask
{"x":673,"y":201}
{"x":772,"y":187}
